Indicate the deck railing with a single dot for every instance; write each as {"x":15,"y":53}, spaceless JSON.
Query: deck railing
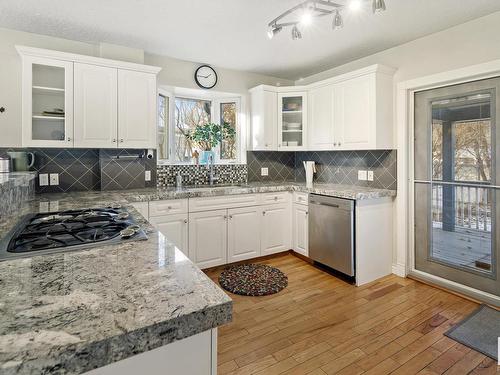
{"x":473,"y":207}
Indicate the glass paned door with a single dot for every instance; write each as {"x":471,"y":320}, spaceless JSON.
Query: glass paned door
{"x":455,"y":184}
{"x":47,"y":102}
{"x":292,"y":121}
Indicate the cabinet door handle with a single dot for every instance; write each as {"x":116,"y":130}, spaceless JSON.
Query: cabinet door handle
{"x":275,"y":198}
{"x":339,"y":143}
{"x":230,"y":216}
{"x":114,"y":140}
{"x":307,"y":212}
{"x":69,"y":139}
{"x":263,"y":213}
{"x":185,"y":221}
{"x":225,"y":217}
{"x":121,"y":140}
{"x":169,"y":207}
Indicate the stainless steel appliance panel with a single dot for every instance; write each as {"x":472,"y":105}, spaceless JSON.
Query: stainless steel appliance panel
{"x":331,"y":232}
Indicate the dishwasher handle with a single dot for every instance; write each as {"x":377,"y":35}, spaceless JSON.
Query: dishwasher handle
{"x":325,"y":204}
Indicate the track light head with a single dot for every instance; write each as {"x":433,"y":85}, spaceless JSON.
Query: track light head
{"x":296,"y":34}
{"x":378,"y":6}
{"x":273,"y":30}
{"x":338,"y":22}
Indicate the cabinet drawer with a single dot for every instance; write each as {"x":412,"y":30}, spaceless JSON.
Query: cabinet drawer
{"x":172,"y":206}
{"x":278,"y":197}
{"x":300,"y":198}
{"x":222,"y":202}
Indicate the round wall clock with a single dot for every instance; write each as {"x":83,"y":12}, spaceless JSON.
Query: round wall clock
{"x":205,"y":77}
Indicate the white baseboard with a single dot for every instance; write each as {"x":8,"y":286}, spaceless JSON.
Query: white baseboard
{"x":399,"y":269}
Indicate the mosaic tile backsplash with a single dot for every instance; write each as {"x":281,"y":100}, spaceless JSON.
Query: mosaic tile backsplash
{"x":339,"y":167}
{"x":198,"y":174}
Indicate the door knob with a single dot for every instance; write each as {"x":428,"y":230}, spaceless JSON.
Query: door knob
{"x":114,"y":140}
{"x":121,"y":140}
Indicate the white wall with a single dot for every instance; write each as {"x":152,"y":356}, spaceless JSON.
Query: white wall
{"x":470,"y":43}
{"x":174,"y":73}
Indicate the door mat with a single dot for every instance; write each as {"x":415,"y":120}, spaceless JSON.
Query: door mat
{"x":479,"y":331}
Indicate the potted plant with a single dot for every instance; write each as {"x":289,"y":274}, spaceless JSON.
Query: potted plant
{"x":208,"y":136}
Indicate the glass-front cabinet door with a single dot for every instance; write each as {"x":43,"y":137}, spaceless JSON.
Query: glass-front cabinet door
{"x":47,"y":102}
{"x":292,"y":118}
{"x":456,"y":185}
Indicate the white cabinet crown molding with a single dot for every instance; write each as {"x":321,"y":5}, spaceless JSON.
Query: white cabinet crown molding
{"x":65,"y":56}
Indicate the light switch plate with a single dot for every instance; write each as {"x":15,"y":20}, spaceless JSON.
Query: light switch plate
{"x":43,"y":179}
{"x":362,"y":175}
{"x":147,"y":175}
{"x":370,"y":175}
{"x":264,"y":171}
{"x":54,"y":178}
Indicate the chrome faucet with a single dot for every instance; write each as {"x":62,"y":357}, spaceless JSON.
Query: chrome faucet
{"x":210,"y":167}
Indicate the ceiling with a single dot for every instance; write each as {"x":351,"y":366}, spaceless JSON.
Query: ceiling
{"x":232,"y":33}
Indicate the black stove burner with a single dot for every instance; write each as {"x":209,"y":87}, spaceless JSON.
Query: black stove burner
{"x":72,"y":228}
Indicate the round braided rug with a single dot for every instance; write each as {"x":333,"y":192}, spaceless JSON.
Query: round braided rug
{"x":253,"y":280}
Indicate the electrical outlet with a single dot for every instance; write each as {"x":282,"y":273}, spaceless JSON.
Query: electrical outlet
{"x":264,"y":171}
{"x":43,"y":179}
{"x":362,"y":175}
{"x":370,"y":175}
{"x":54,"y":178}
{"x":147,"y":175}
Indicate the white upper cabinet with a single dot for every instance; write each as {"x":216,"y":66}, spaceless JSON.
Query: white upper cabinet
{"x":264,"y":113}
{"x":136,"y":109}
{"x":363,"y":113}
{"x":84,"y":101}
{"x":321,"y":108}
{"x":352,"y":111}
{"x":47,"y":97}
{"x":95,"y":98}
{"x":292,"y":121}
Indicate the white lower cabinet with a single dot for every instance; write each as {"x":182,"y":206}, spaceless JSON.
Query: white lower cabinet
{"x":275,"y":229}
{"x":243,"y":233}
{"x":300,"y":228}
{"x":208,"y":238}
{"x":175,"y":228}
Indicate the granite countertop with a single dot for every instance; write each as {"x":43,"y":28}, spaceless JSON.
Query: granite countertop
{"x":70,"y":312}
{"x":152,"y":194}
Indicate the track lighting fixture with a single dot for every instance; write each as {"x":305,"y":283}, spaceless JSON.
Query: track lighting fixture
{"x":296,"y":34}
{"x":305,"y":13}
{"x":273,"y":30}
{"x":338,"y":22}
{"x":378,"y":6}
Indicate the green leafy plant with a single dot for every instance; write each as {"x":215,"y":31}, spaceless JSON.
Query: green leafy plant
{"x":209,"y":135}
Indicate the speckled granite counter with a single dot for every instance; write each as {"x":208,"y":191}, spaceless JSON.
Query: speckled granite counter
{"x":152,"y":194}
{"x":70,"y":312}
{"x":15,"y":188}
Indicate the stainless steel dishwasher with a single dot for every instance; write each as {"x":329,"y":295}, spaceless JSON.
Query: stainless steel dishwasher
{"x":331,"y":232}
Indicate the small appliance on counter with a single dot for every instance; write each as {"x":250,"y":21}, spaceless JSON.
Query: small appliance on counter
{"x":20,"y":160}
{"x":310,"y":167}
{"x":48,"y":233}
{"x":4,"y":164}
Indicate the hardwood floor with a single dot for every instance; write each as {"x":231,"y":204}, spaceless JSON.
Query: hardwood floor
{"x":322,"y":325}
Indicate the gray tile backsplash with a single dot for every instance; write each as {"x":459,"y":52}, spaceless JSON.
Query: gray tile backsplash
{"x":280,"y":165}
{"x":339,"y":167}
{"x":91,"y":169}
{"x":94,"y":169}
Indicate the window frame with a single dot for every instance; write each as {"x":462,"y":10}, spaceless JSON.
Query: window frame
{"x":215,"y":103}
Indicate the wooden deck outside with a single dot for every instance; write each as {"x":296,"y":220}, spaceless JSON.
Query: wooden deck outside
{"x":464,"y":247}
{"x":321,"y":325}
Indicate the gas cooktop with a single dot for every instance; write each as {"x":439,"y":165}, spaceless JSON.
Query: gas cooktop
{"x":47,"y":233}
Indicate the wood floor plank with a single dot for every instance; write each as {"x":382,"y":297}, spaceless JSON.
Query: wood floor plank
{"x":322,"y":325}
